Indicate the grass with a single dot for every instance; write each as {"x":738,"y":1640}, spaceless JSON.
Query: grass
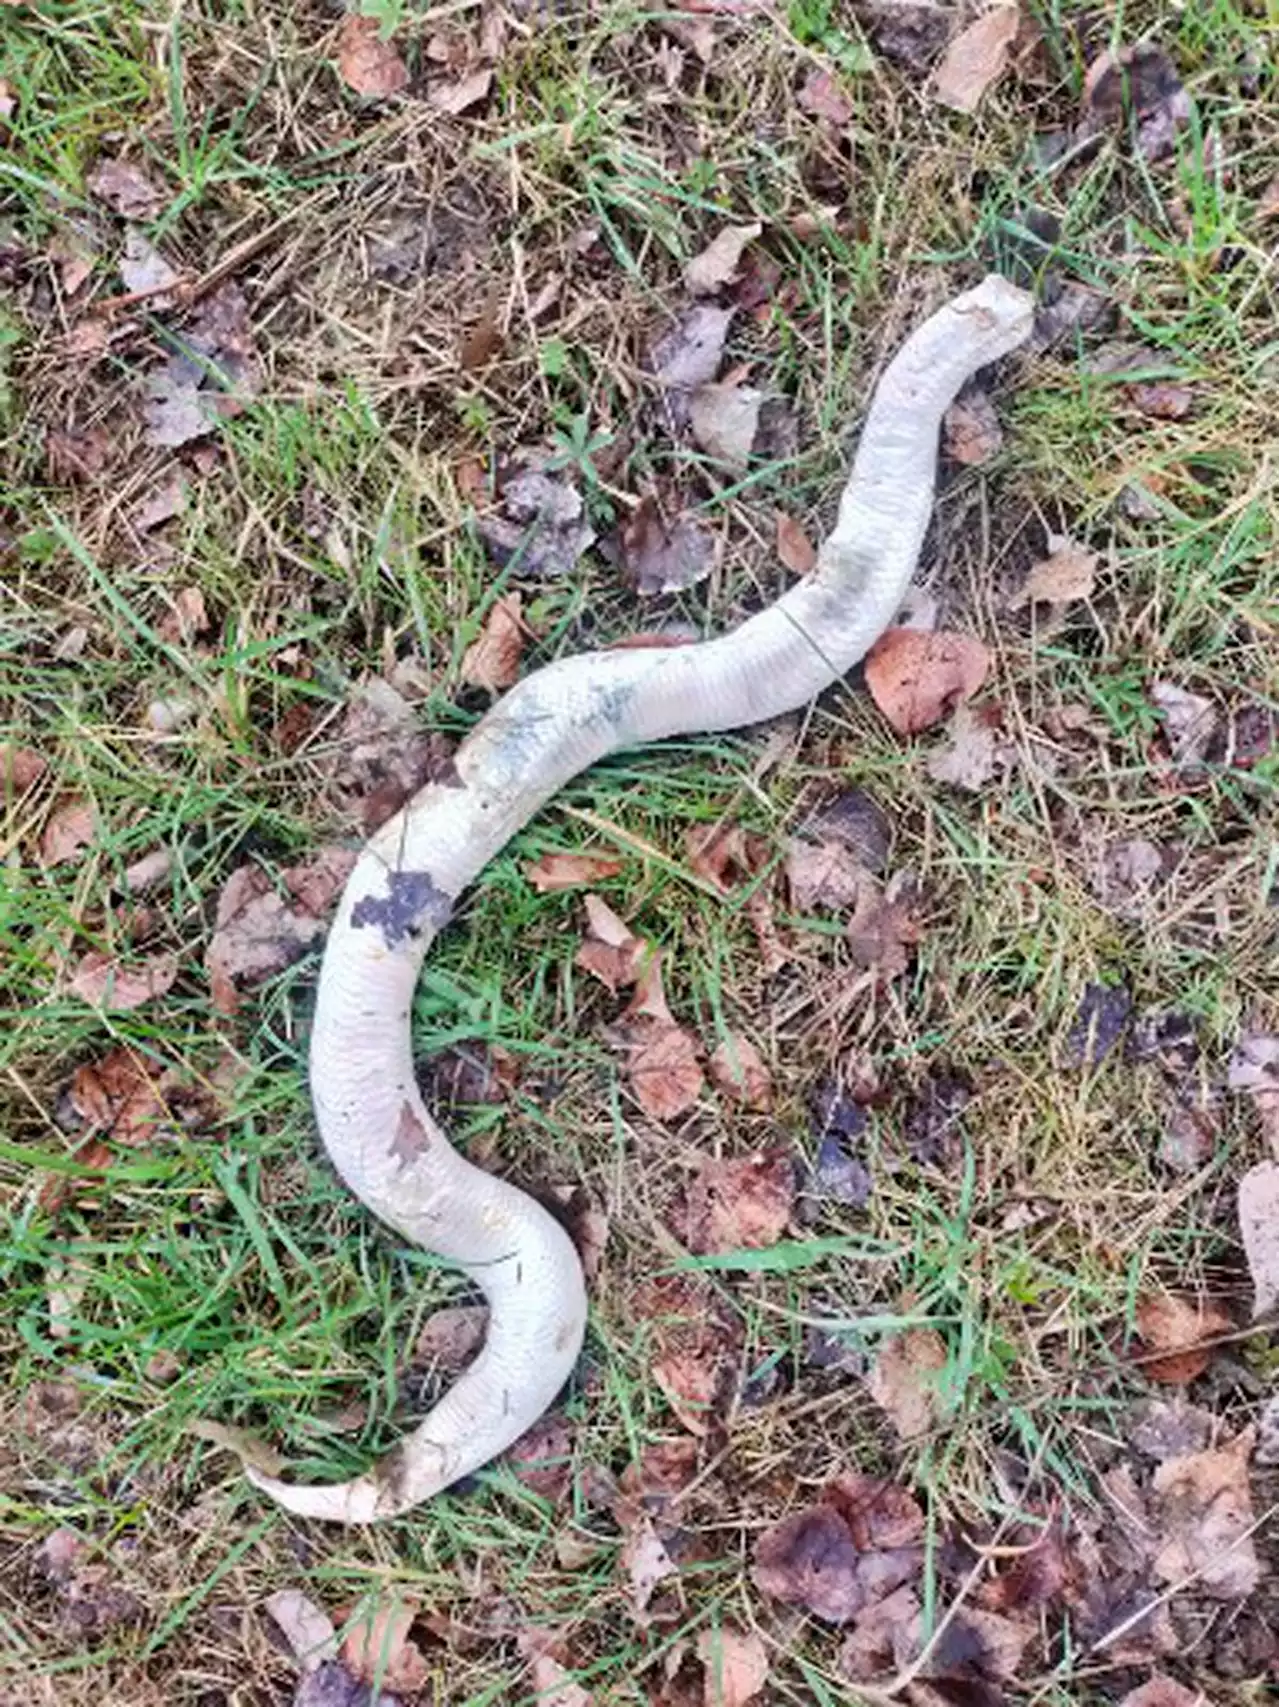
{"x":235,"y":1250}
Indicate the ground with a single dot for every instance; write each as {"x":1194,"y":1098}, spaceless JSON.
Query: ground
{"x":1015,"y":1052}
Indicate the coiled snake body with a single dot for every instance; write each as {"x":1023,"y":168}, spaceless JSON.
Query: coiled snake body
{"x":555,"y":723}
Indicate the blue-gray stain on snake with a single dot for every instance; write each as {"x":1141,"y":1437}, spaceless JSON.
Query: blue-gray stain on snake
{"x":411,"y":900}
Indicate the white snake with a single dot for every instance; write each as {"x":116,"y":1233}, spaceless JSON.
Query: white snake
{"x":555,"y":723}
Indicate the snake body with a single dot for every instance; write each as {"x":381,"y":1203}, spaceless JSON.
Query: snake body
{"x":549,"y":727}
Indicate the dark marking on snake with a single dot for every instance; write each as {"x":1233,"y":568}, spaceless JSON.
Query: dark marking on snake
{"x":411,"y":901}
{"x":411,"y":1140}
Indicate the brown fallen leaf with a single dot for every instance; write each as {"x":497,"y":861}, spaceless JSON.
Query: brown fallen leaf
{"x":1204,"y":1513}
{"x":306,"y":1627}
{"x":826,"y":875}
{"x":809,"y":1560}
{"x":871,"y":1648}
{"x":145,"y":272}
{"x":971,"y":430}
{"x":1173,"y":1324}
{"x":687,"y":356}
{"x":904,"y":1382}
{"x":492,"y":661}
{"x":102,"y":982}
{"x":735,"y":1664}
{"x":1143,"y":82}
{"x":917,"y":678}
{"x":259,"y":929}
{"x":552,"y":872}
{"x":718,"y":263}
{"x":885,"y":926}
{"x":737,"y":1068}
{"x":382,"y":754}
{"x":697,"y":1347}
{"x":186,"y":618}
{"x":459,"y":94}
{"x":77,"y":454}
{"x":795,"y":549}
{"x":541,"y":524}
{"x":450,"y":1338}
{"x":1162,"y":1691}
{"x":975,"y":59}
{"x":612,"y":952}
{"x":1067,"y":574}
{"x":739,"y":1203}
{"x":975,"y":749}
{"x":176,"y":411}
{"x":542,"y":1458}
{"x":724,"y":420}
{"x":367,"y":64}
{"x":645,"y":1563}
{"x":377,"y":1647}
{"x":1188,"y":1139}
{"x":68,"y":831}
{"x":547,"y":1658}
{"x":160,"y":506}
{"x":822,"y":96}
{"x":663,"y":1068}
{"x":126,"y":189}
{"x":20,"y":768}
{"x":1190,"y":722}
{"x":663,"y":554}
{"x":1258,"y":1210}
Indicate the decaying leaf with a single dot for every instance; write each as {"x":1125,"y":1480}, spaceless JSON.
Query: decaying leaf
{"x":724,"y":420}
{"x":555,"y":871}
{"x":795,"y":549}
{"x":717,"y":265}
{"x":885,"y":926}
{"x":809,"y":1560}
{"x":547,"y":1658}
{"x":160,"y":506}
{"x":67,"y":831}
{"x":1170,"y":1323}
{"x":688,"y":356}
{"x":306,"y":1627}
{"x":77,"y":454}
{"x":916,"y":678}
{"x":1163,"y":1691}
{"x":1204,"y":1511}
{"x":1258,"y":1208}
{"x":103,"y":982}
{"x":20,"y":768}
{"x":456,"y":95}
{"x":378,"y":1649}
{"x":975,"y":749}
{"x":827,"y":875}
{"x":697,"y":1347}
{"x":126,"y":189}
{"x":451,"y":1337}
{"x":260,"y":929}
{"x":975,"y":59}
{"x":367,"y":64}
{"x":663,"y":1068}
{"x":1188,"y":1139}
{"x":855,"y":820}
{"x":383,"y":755}
{"x":1190,"y":722}
{"x":904,"y":1380}
{"x":1101,"y":1021}
{"x":737,"y":1068}
{"x":1067,"y":574}
{"x":1141,"y":81}
{"x":971,"y":431}
{"x":492,"y":661}
{"x":144,"y":270}
{"x":176,"y":411}
{"x":612,"y":952}
{"x":541,"y":526}
{"x":542,"y":1458}
{"x":735,"y":1666}
{"x":822,"y":96}
{"x":663,"y":554}
{"x":646,"y":1563}
{"x":739,"y":1203}
{"x":1254,"y":1068}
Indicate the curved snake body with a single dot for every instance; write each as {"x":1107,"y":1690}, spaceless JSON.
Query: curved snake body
{"x":552,"y":725}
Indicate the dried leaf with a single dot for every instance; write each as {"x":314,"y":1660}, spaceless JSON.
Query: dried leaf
{"x":451,"y":1337}
{"x":971,"y":430}
{"x":917,"y":678}
{"x":698,"y":1345}
{"x":742,"y":1203}
{"x":665,"y":556}
{"x":688,"y":356}
{"x":1141,"y":81}
{"x":542,"y":1458}
{"x":377,"y":1647}
{"x":367,"y":64}
{"x":1162,"y":1691}
{"x":854,"y":820}
{"x":1258,"y":1208}
{"x":1169,"y":1323}
{"x":883,"y":928}
{"x":611,"y":953}
{"x":795,"y":549}
{"x":975,"y":750}
{"x":126,"y":189}
{"x":75,"y":456}
{"x":724,"y":420}
{"x":1190,"y":722}
{"x":144,"y":270}
{"x":260,"y":929}
{"x":645,"y":1562}
{"x":383,"y":755}
{"x":975,"y":59}
{"x":871,"y":1647}
{"x":717,"y":265}
{"x":555,"y":871}
{"x":1204,"y":1513}
{"x":809,"y":1560}
{"x":738,"y":1069}
{"x":822,"y":96}
{"x":547,"y":1670}
{"x":735,"y":1663}
{"x":20,"y":768}
{"x":1254,"y":1068}
{"x":460,"y":94}
{"x":176,"y":411}
{"x":903,"y":1381}
{"x":186,"y":619}
{"x":493,"y":660}
{"x":541,"y":527}
{"x":305,"y":1626}
{"x":663,"y":1069}
{"x":1100,"y":1023}
{"x":828,"y":875}
{"x":67,"y":831}
{"x":1067,"y":574}
{"x":1188,"y":1139}
{"x":160,"y":506}
{"x":103,"y":982}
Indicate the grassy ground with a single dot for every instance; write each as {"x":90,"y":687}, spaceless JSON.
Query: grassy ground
{"x":235,"y":1250}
